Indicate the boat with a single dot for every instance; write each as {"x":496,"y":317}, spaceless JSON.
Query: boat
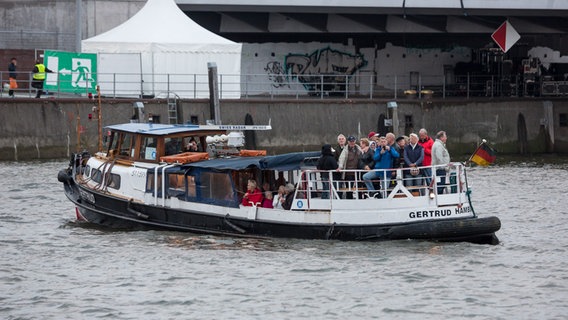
{"x":145,"y":179}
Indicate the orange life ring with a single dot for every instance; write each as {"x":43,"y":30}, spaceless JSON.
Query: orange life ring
{"x":252,"y":153}
{"x":186,"y":157}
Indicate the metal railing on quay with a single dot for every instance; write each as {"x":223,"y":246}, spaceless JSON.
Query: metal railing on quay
{"x":277,"y":86}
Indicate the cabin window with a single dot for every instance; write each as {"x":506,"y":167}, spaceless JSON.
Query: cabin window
{"x":190,"y":181}
{"x":87,"y":171}
{"x":113,"y":143}
{"x":173,"y":146}
{"x":216,"y":186}
{"x":150,"y":182}
{"x":192,"y":144}
{"x":176,"y":184}
{"x":127,"y":145}
{"x":96,"y":176}
{"x":114,"y":181}
{"x":148,"y":148}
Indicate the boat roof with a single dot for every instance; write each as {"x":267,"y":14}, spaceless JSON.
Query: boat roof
{"x":154,"y":128}
{"x":167,"y":129}
{"x":282,"y":162}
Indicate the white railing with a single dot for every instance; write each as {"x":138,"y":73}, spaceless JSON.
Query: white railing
{"x":436,"y":182}
{"x":276,"y":86}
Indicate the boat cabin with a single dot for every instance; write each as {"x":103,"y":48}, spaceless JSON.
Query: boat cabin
{"x":149,"y":142}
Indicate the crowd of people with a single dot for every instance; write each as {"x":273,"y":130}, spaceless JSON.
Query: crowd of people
{"x":376,"y":154}
{"x":265,"y":198}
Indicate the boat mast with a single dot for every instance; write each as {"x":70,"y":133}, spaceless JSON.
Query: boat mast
{"x":100,"y":120}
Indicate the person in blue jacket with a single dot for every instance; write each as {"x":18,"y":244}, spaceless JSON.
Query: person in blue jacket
{"x":384,"y":156}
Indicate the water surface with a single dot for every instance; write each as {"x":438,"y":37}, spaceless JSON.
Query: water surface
{"x":53,"y":268}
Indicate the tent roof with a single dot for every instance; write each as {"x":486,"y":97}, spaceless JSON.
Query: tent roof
{"x":160,"y":22}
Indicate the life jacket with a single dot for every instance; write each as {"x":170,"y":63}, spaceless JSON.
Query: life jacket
{"x":40,"y":74}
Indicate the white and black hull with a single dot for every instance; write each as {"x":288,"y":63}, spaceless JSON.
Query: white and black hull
{"x":114,"y":212}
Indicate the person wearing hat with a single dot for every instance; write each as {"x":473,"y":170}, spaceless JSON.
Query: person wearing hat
{"x":349,"y":160}
{"x":326,"y":162}
{"x":373,"y":136}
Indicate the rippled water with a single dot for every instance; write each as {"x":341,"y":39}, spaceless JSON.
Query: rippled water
{"x":51,"y":268}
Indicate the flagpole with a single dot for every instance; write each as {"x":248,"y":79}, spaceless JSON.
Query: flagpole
{"x":474,"y":152}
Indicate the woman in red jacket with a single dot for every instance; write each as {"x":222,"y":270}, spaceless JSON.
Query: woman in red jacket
{"x":253,"y":195}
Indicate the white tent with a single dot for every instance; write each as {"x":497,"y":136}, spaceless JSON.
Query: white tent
{"x":161,"y":50}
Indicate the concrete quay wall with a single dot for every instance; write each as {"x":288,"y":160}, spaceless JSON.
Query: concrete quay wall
{"x":48,"y":128}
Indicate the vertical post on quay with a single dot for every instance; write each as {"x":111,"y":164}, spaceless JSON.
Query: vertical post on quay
{"x":100,"y":117}
{"x":392,"y":106}
{"x":215,"y":113}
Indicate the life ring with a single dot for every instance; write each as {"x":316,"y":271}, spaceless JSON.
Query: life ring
{"x":186,"y":157}
{"x":252,"y":153}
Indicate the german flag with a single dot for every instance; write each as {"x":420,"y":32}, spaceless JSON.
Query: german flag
{"x":484,"y":155}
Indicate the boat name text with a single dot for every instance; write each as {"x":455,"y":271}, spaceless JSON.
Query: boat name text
{"x":438,"y":213}
{"x":138,"y":173}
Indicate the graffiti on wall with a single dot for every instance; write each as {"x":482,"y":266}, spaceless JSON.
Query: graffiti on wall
{"x":276,"y":74}
{"x":307,"y":69}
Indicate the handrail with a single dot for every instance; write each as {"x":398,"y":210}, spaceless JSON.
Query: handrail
{"x":286,"y":86}
{"x":403,"y":183}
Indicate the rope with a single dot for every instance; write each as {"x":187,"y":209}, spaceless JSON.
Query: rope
{"x":468,"y":194}
{"x":233,"y":226}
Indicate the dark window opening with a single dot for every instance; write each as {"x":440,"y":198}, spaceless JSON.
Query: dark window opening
{"x":114,"y":181}
{"x":563,"y":120}
{"x":96,"y":175}
{"x":408,"y":122}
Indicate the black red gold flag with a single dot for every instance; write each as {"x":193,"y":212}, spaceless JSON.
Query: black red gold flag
{"x":484,"y":155}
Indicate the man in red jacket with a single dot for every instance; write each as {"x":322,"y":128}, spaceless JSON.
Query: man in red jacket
{"x":426,"y":142}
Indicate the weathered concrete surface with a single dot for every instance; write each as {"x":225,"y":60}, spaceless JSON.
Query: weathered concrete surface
{"x":50,"y":24}
{"x":47,"y":128}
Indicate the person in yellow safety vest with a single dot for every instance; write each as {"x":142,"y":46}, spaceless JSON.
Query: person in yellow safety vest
{"x":39,"y":77}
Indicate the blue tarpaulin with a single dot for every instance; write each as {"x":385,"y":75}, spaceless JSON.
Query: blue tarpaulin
{"x":283,"y":162}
